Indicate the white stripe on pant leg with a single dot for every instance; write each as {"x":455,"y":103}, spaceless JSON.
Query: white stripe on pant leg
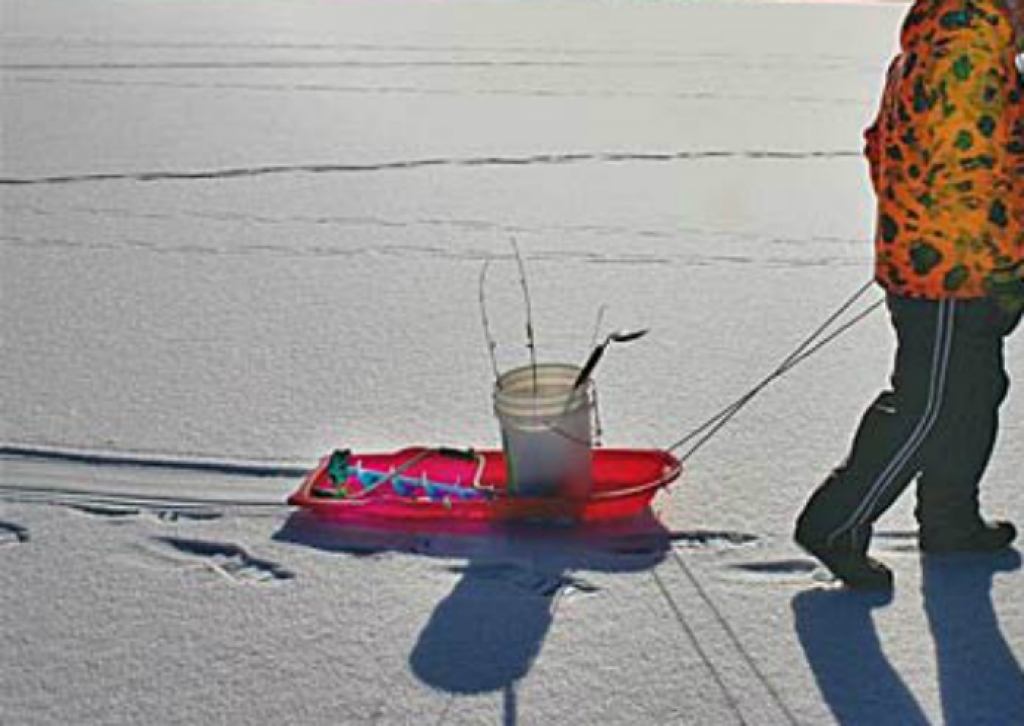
{"x":940,"y":383}
{"x":944,"y":339}
{"x":928,"y":416}
{"x":940,"y":358}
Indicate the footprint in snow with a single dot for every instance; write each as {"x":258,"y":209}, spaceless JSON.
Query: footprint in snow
{"x":12,"y":534}
{"x":228,"y":560}
{"x":532,"y":582}
{"x":170,"y":514}
{"x":789,"y":570}
{"x":186,"y":515}
{"x":658,"y":543}
{"x":103,"y":511}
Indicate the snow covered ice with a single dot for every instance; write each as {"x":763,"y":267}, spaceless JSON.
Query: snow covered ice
{"x":238,"y":235}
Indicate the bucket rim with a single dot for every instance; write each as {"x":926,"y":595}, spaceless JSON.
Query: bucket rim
{"x":564,"y":400}
{"x":567,"y":370}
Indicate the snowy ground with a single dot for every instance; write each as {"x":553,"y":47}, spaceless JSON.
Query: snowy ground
{"x":237,"y":235}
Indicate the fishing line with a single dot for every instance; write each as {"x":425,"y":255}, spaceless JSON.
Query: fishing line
{"x":531,"y":342}
{"x":822,"y":336}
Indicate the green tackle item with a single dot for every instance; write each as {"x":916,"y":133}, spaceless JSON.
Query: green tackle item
{"x":338,"y":471}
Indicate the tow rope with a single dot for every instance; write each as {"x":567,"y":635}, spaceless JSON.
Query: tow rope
{"x":823,"y":335}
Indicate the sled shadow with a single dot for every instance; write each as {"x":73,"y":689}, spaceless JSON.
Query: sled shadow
{"x":840,"y":641}
{"x":980,"y":679}
{"x":486,"y":634}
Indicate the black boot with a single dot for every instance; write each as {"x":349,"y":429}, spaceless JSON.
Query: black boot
{"x":985,"y":537}
{"x":848,"y":563}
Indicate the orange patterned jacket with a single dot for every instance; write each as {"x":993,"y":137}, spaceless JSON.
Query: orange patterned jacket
{"x":947,"y":156}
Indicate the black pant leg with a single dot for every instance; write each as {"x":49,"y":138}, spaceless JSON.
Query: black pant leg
{"x":886,"y":451}
{"x":955,"y":459}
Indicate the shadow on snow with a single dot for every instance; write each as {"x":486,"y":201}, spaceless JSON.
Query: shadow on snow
{"x":486,"y":634}
{"x":980,"y":680}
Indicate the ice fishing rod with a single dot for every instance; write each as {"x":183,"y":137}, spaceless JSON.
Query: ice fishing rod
{"x":492,"y":345}
{"x":823,"y":335}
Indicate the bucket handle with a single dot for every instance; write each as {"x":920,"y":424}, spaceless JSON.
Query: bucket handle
{"x":595,"y":421}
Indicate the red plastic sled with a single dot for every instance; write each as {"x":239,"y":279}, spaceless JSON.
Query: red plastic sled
{"x":446,"y":484}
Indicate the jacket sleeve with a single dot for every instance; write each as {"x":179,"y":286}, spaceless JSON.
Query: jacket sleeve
{"x":871,"y":145}
{"x":873,"y":134}
{"x":966,"y":93}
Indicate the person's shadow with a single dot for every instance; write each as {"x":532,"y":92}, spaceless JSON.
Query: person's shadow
{"x":486,"y":634}
{"x":980,"y":679}
{"x":856,"y":680}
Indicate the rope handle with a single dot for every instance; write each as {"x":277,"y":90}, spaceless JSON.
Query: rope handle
{"x":820,"y":338}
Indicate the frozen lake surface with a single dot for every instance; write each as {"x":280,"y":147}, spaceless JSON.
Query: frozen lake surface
{"x":252,"y":232}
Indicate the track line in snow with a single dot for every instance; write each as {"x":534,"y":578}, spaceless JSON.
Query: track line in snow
{"x":246,"y":172}
{"x":181,"y":506}
{"x":692,"y":539}
{"x":140,"y":461}
{"x":739,"y":695}
{"x":116,"y":512}
{"x":705,"y":657}
{"x":610,"y":93}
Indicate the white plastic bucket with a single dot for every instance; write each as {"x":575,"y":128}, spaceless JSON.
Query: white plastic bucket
{"x":546,"y":431}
